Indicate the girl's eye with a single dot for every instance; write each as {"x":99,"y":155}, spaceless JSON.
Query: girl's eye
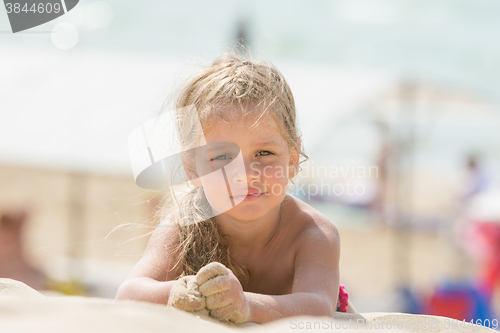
{"x":264,"y":153}
{"x":220,"y":158}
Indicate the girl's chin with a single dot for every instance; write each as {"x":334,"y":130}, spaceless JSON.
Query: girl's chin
{"x":245,"y":212}
{"x":250,"y":202}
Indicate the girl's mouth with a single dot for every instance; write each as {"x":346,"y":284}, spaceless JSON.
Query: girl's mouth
{"x":253,"y":196}
{"x":249,"y":196}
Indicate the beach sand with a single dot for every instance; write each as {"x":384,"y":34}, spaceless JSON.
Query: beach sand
{"x":24,"y":310}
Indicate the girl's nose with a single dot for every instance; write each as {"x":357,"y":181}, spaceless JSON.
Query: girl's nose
{"x":239,"y":176}
{"x":242,"y":171}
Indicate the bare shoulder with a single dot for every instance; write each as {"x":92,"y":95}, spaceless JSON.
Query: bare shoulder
{"x":316,"y":248}
{"x":310,"y":224}
{"x":160,"y":258}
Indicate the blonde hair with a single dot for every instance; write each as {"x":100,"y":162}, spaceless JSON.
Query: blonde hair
{"x":252,"y":89}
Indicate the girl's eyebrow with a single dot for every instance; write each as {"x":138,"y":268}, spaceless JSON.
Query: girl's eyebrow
{"x":216,"y":149}
{"x":267,"y":143}
{"x":228,"y":147}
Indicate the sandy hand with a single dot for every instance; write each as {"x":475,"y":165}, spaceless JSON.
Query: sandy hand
{"x":224,"y":294}
{"x":185,"y":295}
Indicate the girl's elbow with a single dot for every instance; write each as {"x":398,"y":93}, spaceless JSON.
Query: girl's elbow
{"x":328,"y":307}
{"x":124,"y":291}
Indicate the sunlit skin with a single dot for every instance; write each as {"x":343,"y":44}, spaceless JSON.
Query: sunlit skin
{"x":293,"y":260}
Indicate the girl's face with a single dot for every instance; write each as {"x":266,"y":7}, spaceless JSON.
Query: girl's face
{"x":244,"y":170}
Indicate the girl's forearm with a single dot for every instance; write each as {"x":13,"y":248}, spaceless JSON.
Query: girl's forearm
{"x":145,"y":289}
{"x":266,"y":308}
{"x":263,"y":308}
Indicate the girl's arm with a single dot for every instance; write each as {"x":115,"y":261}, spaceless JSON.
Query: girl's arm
{"x":153,"y":277}
{"x":315,"y":286}
{"x":145,"y":289}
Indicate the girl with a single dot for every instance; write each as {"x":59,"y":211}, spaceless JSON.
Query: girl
{"x":238,"y":246}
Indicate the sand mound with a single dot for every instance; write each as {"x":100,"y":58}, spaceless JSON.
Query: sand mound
{"x":83,"y":314}
{"x":9,"y":287}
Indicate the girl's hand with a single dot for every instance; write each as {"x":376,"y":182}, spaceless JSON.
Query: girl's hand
{"x":185,"y":295}
{"x":224,"y":294}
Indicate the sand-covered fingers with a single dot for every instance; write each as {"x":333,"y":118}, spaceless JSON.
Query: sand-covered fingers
{"x":235,"y":313}
{"x":220,"y":300}
{"x":217,"y":285}
{"x":210,"y":271}
{"x":230,"y":305}
{"x":186,"y":295}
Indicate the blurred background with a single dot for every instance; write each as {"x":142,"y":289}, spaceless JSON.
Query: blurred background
{"x":398,"y":102}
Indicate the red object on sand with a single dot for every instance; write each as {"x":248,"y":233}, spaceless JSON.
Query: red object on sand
{"x":342,"y":301}
{"x":491,"y":235}
{"x":457,"y":305}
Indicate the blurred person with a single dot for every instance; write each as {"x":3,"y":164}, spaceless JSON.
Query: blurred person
{"x":13,"y":262}
{"x":477,"y":231}
{"x":477,"y":180}
{"x":378,"y":204}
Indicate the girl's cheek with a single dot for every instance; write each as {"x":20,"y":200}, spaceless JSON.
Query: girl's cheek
{"x":275,"y":171}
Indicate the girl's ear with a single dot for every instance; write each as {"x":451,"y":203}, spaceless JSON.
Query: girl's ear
{"x":293,"y":163}
{"x":190,"y":169}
